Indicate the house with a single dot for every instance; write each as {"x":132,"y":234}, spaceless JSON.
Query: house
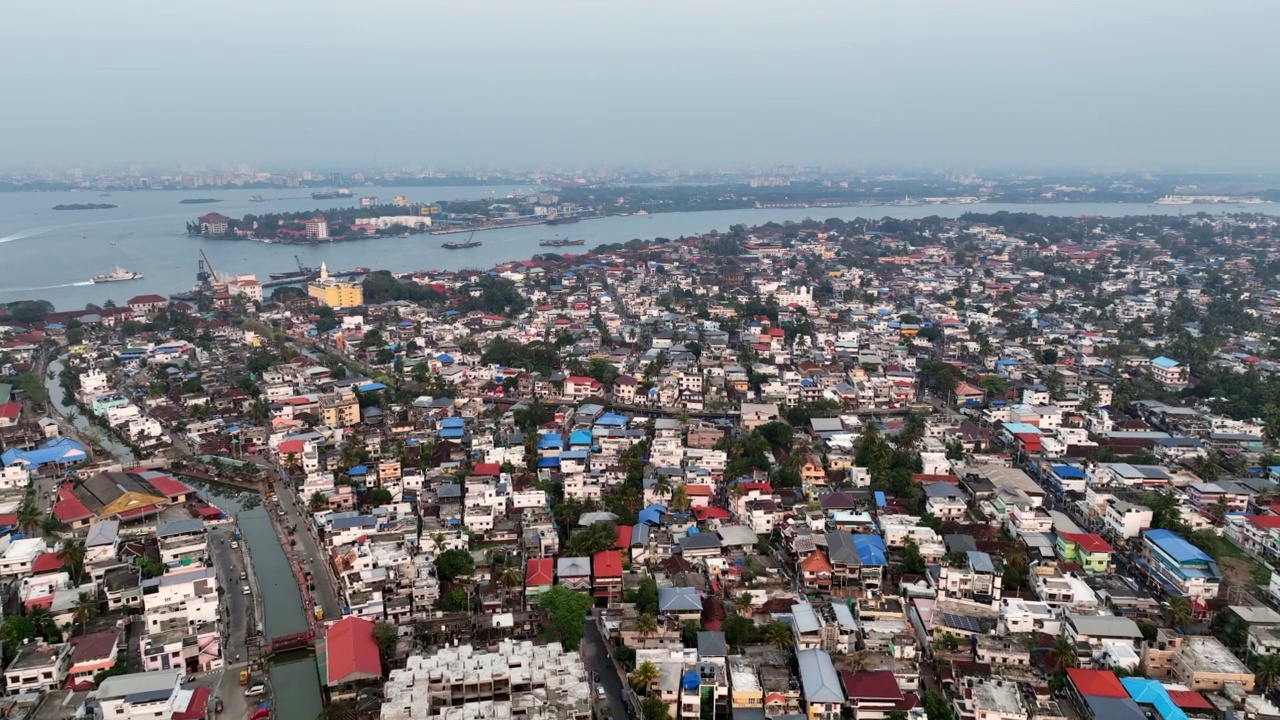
{"x":1169,"y":372}
{"x":147,"y":304}
{"x":1180,"y":567}
{"x":539,"y":576}
{"x":976,"y":580}
{"x":820,"y":684}
{"x":38,"y":667}
{"x":606,"y":576}
{"x":873,"y":694}
{"x":350,"y":652}
{"x":1088,"y":550}
{"x":579,"y":387}
{"x":145,"y":696}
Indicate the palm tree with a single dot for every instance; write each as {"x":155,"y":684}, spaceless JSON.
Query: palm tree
{"x":72,"y":554}
{"x":1179,"y":612}
{"x":778,"y":634}
{"x":45,"y":626}
{"x":646,"y":624}
{"x":743,"y":604}
{"x":856,"y":662}
{"x":86,"y":609}
{"x":1063,"y":653}
{"x":511,"y":579}
{"x":29,"y":516}
{"x":644,"y":676}
{"x":1267,"y":671}
{"x":317,"y":502}
{"x":50,"y":526}
{"x":679,"y":498}
{"x":1015,"y":557}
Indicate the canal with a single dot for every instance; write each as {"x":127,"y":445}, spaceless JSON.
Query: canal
{"x":86,"y":428}
{"x":295,"y":680}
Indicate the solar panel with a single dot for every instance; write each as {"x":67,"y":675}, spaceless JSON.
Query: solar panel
{"x":962,"y":622}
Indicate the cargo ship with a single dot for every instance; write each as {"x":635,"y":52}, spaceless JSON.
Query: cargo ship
{"x":563,"y":220}
{"x":331,"y":194}
{"x":561,"y":242}
{"x":119,"y":275}
{"x":302,"y":271}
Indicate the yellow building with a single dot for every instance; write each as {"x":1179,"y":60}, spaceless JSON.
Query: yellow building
{"x":335,"y":293}
{"x":339,"y":410}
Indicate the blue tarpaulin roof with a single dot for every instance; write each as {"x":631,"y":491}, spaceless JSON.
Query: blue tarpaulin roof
{"x":580,"y":437}
{"x":548,"y":462}
{"x":1146,"y":691}
{"x":549,"y":441}
{"x":880,"y":499}
{"x":1068,"y":472}
{"x":445,"y":358}
{"x":452,"y":423}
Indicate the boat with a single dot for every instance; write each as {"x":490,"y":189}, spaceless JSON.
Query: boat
{"x":462,"y":245}
{"x":1174,"y":200}
{"x":255,"y":198}
{"x":563,"y":220}
{"x":561,"y":242}
{"x":119,"y":275}
{"x":331,"y":194}
{"x":302,"y":271}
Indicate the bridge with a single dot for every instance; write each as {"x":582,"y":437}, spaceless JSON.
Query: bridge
{"x":286,"y":643}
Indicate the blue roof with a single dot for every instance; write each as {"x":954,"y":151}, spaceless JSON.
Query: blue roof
{"x":580,"y":437}
{"x":451,"y":313}
{"x":445,"y":358}
{"x":880,"y":499}
{"x":371,"y":387}
{"x":870,"y":549}
{"x":1146,"y":691}
{"x":611,"y":419}
{"x":548,"y":462}
{"x":652,"y":514}
{"x":1173,"y":545}
{"x":1166,"y":363}
{"x":1068,"y":472}
{"x":451,"y":433}
{"x":452,"y":423}
{"x":691,"y":681}
{"x":574,"y":455}
{"x":550,"y":441}
{"x":62,"y":450}
{"x":358,"y":470}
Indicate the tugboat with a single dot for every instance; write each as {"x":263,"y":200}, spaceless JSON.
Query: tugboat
{"x":561,"y":242}
{"x":462,"y":245}
{"x":120,"y":275}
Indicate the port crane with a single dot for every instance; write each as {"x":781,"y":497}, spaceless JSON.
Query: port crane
{"x":206,"y":275}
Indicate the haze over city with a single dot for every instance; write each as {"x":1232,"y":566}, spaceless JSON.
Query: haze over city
{"x":926,"y":84}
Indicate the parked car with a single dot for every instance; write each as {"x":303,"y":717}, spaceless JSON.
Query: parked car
{"x":235,"y":545}
{"x":255,"y":689}
{"x":600,"y":693}
{"x":246,"y":589}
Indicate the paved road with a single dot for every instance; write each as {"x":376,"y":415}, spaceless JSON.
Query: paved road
{"x":238,"y":617}
{"x":308,"y":548}
{"x":597,"y":660}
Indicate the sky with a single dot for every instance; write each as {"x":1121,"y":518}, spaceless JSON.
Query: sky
{"x":875,"y":84}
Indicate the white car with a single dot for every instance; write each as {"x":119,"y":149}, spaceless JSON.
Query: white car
{"x":235,"y":545}
{"x":255,"y":689}
{"x":246,"y":590}
{"x":600,"y":693}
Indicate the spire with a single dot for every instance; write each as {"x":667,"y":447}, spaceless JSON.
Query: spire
{"x":324,"y":272}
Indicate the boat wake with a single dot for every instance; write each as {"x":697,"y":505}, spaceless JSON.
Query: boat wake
{"x":46,"y":287}
{"x":24,"y":234}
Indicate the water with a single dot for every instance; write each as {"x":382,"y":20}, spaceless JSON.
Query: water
{"x":51,"y":254}
{"x":108,"y":443}
{"x":295,"y":681}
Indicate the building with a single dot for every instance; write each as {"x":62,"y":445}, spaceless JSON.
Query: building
{"x":990,"y":700}
{"x":214,"y":224}
{"x":124,"y":496}
{"x":37,"y":667}
{"x":520,"y":679}
{"x":341,"y":410}
{"x":1200,"y":662}
{"x":820,"y":685}
{"x":977,"y":580}
{"x":1125,"y":520}
{"x":1086,"y":549}
{"x":1169,"y":372}
{"x":1180,"y":567}
{"x":142,"y":696}
{"x":350,"y":653}
{"x":335,"y":293}
{"x":317,"y":228}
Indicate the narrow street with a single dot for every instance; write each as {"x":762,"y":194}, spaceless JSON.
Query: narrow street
{"x":307,"y":551}
{"x":596,"y":656}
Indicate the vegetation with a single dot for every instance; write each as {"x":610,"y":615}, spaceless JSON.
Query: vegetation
{"x":568,"y":612}
{"x":454,"y":564}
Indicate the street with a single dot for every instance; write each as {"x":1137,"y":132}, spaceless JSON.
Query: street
{"x":308,"y":550}
{"x":238,"y":616}
{"x":596,"y":656}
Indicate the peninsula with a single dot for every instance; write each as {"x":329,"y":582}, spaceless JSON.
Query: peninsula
{"x":85,"y":206}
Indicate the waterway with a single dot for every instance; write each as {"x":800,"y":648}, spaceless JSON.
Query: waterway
{"x":81,"y":422}
{"x":295,"y":681}
{"x":51,"y":255}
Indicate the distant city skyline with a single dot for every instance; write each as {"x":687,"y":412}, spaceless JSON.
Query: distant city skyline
{"x":923,"y":84}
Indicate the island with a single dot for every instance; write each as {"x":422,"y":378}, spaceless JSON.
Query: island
{"x":85,"y":206}
{"x":198,"y":201}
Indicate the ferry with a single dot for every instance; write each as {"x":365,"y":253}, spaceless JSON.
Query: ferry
{"x":330,"y":195}
{"x":120,"y":275}
{"x":255,"y":198}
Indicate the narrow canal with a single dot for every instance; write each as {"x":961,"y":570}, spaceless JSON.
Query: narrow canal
{"x":86,"y":428}
{"x":295,"y":680}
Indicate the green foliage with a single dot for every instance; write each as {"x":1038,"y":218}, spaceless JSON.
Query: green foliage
{"x":590,"y":540}
{"x":653,"y":708}
{"x":912,"y":561}
{"x":777,"y":434}
{"x":568,"y":612}
{"x":689,"y":630}
{"x":647,"y":596}
{"x":382,"y":286}
{"x":379,"y":496}
{"x":456,"y":600}
{"x":936,"y":706}
{"x":740,"y":631}
{"x":537,"y":356}
{"x":454,"y":564}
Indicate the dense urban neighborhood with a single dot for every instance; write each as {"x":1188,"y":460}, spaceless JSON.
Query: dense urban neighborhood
{"x":1000,"y":467}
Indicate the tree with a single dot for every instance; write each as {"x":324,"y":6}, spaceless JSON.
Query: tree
{"x":454,"y":564}
{"x":778,"y":634}
{"x":679,"y":498}
{"x":86,"y":609}
{"x":992,"y":385}
{"x":568,"y":612}
{"x":592,"y":539}
{"x":379,"y":496}
{"x":739,"y":631}
{"x":44,"y":623}
{"x":15,"y":630}
{"x":1063,"y":653}
{"x":743,"y":604}
{"x":647,"y":596}
{"x":511,"y":579}
{"x":50,"y":526}
{"x":149,"y":567}
{"x":896,"y":715}
{"x":777,"y":433}
{"x":912,"y":561}
{"x":653,"y":708}
{"x":936,"y":706}
{"x":317,"y":502}
{"x":456,"y":601}
{"x":644,"y":676}
{"x":1266,"y":671}
{"x":386,"y":635}
{"x":1179,"y":612}
{"x":646,"y":625}
{"x":72,"y":555}
{"x":29,"y":515}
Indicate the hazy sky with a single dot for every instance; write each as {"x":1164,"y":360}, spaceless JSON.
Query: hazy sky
{"x":1106,"y":84}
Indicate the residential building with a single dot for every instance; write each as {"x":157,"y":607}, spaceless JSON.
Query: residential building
{"x":335,"y":293}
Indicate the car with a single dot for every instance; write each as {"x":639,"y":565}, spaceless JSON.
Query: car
{"x":595,"y":677}
{"x":255,"y":689}
{"x":235,"y":545}
{"x":600,"y":693}
{"x":280,"y":511}
{"x":247,"y":591}
{"x":244,"y":575}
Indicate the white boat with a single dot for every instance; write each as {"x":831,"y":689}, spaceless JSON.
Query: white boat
{"x":1174,"y":200}
{"x":119,"y":275}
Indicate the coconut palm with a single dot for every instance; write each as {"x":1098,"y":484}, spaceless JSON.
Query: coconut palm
{"x":86,"y":609}
{"x":644,"y":676}
{"x":511,"y":579}
{"x":1179,"y":612}
{"x":1063,"y":653}
{"x":743,"y":604}
{"x":778,"y":634}
{"x":856,"y":662}
{"x":679,"y":498}
{"x":1015,"y":557}
{"x":317,"y":502}
{"x":50,"y":526}
{"x":1266,"y":671}
{"x":29,"y":516}
{"x":646,"y":624}
{"x":44,"y":623}
{"x":72,"y":554}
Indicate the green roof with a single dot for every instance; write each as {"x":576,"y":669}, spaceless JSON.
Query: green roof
{"x":6,"y":393}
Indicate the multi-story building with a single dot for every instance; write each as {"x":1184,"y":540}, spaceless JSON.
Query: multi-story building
{"x":341,"y":410}
{"x":142,"y":696}
{"x":1169,"y":372}
{"x":990,"y":699}
{"x":317,"y":228}
{"x":38,"y":667}
{"x":335,"y":293}
{"x":1200,"y":662}
{"x":1088,"y":550}
{"x":977,"y":580}
{"x":1182,"y":568}
{"x":1125,"y":520}
{"x":820,"y":685}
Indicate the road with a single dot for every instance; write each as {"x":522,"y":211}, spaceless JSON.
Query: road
{"x":596,"y":656}
{"x":308,"y":550}
{"x":238,"y":614}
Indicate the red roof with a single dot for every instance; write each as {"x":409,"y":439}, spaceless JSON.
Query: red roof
{"x":1088,"y":542}
{"x":870,"y":685}
{"x":169,"y":487}
{"x":607,"y":563}
{"x":292,"y":446}
{"x":351,"y":653}
{"x":624,"y":537}
{"x":582,"y":380}
{"x":698,"y":490}
{"x":197,"y":708}
{"x":1030,"y":441}
{"x":1189,"y":700}
{"x":763,"y":487}
{"x":1268,"y":522}
{"x":1099,"y":683}
{"x":710,"y":513}
{"x":539,"y":572}
{"x":816,"y":563}
{"x":490,"y":469}
{"x":46,"y":563}
{"x":11,"y":410}
{"x":69,"y":508}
